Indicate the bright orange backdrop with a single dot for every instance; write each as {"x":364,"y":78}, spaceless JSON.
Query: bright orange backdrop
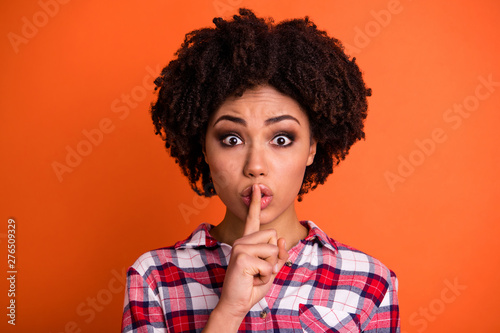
{"x":421,"y":193}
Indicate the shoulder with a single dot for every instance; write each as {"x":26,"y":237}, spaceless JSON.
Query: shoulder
{"x":178,"y":255}
{"x":354,"y":260}
{"x":365,"y":275}
{"x":358,"y":283}
{"x":354,"y":267}
{"x":154,"y":260}
{"x":370,"y":287}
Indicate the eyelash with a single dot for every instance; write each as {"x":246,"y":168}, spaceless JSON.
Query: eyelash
{"x":286,"y":135}
{"x":224,"y":137}
{"x":228,"y":135}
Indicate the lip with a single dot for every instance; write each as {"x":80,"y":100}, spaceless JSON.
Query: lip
{"x":267,"y":196}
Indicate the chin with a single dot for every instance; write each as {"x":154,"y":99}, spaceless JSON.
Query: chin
{"x":267,"y":217}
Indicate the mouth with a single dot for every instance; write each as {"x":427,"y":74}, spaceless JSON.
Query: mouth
{"x":265,"y":193}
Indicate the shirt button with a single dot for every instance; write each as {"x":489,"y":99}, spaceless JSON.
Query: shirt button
{"x":288,"y":263}
{"x":263,"y":314}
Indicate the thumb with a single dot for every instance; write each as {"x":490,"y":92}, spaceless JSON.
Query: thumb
{"x":282,"y":255}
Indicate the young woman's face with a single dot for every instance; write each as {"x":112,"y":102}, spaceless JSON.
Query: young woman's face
{"x":262,"y":137}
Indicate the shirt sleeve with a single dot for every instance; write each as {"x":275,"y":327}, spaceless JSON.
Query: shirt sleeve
{"x":142,"y":311}
{"x":386,"y":317}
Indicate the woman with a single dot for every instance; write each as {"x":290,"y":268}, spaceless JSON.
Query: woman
{"x":259,"y":113}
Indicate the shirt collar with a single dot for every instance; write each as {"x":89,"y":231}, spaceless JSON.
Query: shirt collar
{"x":199,"y":238}
{"x":202,"y":238}
{"x":319,"y":236}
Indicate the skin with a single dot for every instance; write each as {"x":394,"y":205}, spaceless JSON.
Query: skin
{"x":259,"y":142}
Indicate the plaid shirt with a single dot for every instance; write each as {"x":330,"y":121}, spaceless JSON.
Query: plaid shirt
{"x":324,"y":287}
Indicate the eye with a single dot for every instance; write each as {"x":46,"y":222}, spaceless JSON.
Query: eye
{"x":231,"y":140}
{"x":282,"y":140}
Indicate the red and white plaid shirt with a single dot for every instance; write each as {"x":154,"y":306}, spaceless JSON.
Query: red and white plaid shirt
{"x":324,"y":287}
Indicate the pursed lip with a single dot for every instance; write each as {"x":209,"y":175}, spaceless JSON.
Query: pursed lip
{"x":266,"y":196}
{"x":264,"y":190}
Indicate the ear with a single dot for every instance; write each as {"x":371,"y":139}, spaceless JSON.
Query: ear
{"x":312,"y":152}
{"x":203,"y":149}
{"x":205,"y":155}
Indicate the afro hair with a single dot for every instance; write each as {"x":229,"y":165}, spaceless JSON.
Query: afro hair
{"x":293,"y":56}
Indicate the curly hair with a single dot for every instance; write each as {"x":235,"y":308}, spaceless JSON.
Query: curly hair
{"x":293,"y":56}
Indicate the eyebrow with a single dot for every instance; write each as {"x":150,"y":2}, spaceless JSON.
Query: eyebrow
{"x":267,"y":122}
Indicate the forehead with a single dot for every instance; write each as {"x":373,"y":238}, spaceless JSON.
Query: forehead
{"x":262,"y":101}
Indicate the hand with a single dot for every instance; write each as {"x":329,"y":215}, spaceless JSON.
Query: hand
{"x":256,"y":258}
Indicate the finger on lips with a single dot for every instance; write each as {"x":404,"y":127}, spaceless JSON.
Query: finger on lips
{"x":253,"y":218}
{"x":264,"y":253}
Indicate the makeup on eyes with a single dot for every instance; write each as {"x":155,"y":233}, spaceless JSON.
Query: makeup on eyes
{"x":231,"y":139}
{"x":289,"y":136}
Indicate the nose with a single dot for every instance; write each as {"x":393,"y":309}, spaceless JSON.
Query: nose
{"x":256,"y":164}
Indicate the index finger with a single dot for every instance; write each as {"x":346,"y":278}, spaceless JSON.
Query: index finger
{"x":252,"y":223}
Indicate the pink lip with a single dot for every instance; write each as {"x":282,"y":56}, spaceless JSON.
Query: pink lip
{"x":267,"y":196}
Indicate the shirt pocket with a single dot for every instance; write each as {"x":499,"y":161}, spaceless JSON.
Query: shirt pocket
{"x":315,"y":318}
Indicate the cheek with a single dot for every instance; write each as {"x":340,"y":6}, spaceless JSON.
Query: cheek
{"x":294,"y":162}
{"x":298,"y":173}
{"x":223,"y":172}
{"x":291,"y":172}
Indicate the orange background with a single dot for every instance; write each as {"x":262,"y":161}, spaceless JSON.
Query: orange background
{"x":425,"y":204}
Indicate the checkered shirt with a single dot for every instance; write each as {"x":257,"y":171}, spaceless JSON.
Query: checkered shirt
{"x":324,"y":287}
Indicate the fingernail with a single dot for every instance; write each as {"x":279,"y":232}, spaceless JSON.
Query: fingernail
{"x":276,"y":268}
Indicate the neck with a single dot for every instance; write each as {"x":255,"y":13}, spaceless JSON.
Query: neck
{"x":287,"y":226}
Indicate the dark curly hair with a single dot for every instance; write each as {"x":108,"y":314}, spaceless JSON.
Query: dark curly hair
{"x":293,"y":56}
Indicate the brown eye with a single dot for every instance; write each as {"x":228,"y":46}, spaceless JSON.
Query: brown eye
{"x":231,"y":140}
{"x":281,"y":140}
